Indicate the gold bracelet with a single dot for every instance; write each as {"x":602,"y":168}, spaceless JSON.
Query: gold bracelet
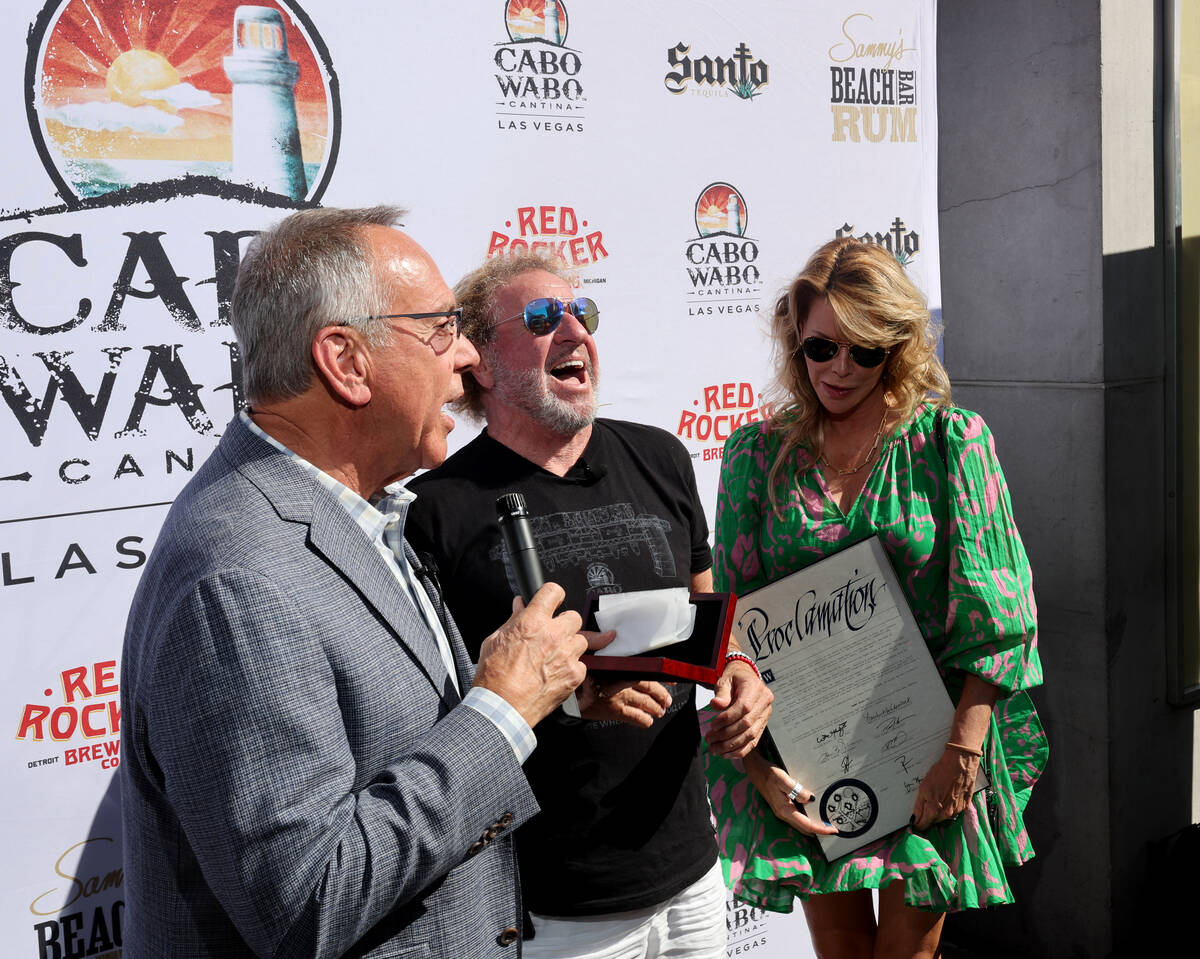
{"x":966,"y":749}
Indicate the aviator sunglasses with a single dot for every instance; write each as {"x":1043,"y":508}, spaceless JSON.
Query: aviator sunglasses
{"x":543,"y":315}
{"x":819,"y":349}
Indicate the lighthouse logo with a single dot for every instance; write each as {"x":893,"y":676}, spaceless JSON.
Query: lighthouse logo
{"x":532,"y":20}
{"x":133,"y":100}
{"x":720,"y":209}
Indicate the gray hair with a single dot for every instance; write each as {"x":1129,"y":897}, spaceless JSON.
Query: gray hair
{"x":476,"y":293}
{"x":310,"y":270}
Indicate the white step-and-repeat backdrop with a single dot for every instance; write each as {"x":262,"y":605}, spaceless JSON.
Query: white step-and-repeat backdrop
{"x":685,"y":156}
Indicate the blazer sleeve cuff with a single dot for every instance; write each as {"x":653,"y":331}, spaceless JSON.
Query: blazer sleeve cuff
{"x":505,"y":718}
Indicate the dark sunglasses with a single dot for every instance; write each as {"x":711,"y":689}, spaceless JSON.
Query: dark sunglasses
{"x":543,"y":315}
{"x":822,"y":350}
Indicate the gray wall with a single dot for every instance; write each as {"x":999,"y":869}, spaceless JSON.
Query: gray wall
{"x":1052,"y":295}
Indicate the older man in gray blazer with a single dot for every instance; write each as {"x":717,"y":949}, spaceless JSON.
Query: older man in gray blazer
{"x":311,"y":765}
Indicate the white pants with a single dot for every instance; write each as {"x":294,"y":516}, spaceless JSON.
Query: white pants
{"x":689,"y":925}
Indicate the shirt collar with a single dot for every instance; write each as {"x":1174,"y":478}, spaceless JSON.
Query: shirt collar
{"x":391,"y":506}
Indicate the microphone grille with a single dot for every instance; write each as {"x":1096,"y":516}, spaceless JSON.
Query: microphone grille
{"x":511,"y":504}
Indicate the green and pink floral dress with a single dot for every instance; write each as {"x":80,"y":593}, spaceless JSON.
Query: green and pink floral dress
{"x":949,"y":531}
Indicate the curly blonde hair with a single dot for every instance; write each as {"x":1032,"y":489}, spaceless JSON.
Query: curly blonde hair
{"x":876,"y":304}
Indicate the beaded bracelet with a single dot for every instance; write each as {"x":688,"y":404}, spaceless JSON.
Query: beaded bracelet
{"x":966,"y":749}
{"x":742,"y":657}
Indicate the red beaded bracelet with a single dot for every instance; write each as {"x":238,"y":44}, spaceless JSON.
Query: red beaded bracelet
{"x":742,"y":657}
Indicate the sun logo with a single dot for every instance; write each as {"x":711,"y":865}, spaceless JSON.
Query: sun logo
{"x":142,"y":99}
{"x":137,"y":72}
{"x":536,"y":20}
{"x":720,"y":209}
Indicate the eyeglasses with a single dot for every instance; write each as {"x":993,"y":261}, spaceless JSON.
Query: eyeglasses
{"x":442,"y":335}
{"x":543,"y":315}
{"x":820,"y":349}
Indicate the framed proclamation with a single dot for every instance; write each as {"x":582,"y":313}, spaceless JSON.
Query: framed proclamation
{"x":860,"y":712}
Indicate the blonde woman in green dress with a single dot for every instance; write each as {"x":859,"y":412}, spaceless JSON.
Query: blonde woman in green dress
{"x":864,"y":440}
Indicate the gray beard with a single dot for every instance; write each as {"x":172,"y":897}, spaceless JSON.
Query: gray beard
{"x":526,"y":391}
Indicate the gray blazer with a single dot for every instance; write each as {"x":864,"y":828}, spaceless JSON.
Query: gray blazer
{"x":299,"y":777}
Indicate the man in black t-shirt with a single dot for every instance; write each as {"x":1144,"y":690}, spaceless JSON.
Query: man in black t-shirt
{"x":622,"y":858}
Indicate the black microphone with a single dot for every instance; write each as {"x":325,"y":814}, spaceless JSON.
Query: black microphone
{"x":513,"y":518}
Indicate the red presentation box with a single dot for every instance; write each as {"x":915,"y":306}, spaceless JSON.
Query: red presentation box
{"x":700,"y":658}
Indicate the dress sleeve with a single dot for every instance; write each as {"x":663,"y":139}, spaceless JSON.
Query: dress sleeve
{"x":991,"y":618}
{"x":741,"y":500}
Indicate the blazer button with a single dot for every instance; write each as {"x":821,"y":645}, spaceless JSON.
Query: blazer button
{"x":475,"y":848}
{"x":505,"y":820}
{"x":508,"y":936}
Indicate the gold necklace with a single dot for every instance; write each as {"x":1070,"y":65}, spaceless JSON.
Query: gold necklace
{"x":851,"y":470}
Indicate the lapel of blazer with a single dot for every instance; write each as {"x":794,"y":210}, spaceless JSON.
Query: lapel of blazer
{"x":298,"y":498}
{"x":428,"y":577}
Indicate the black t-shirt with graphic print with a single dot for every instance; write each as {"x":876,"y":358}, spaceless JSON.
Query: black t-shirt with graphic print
{"x":624,"y":821}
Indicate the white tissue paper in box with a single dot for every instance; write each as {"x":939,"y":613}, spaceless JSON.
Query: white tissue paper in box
{"x":645,"y":619}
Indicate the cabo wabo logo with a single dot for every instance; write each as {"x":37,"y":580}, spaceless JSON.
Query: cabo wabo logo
{"x":897,"y":239}
{"x":873,"y":92}
{"x":538,"y":74}
{"x":131,"y":102}
{"x":716,"y":413}
{"x":87,"y":707}
{"x":745,"y":926}
{"x":554,"y":231}
{"x":740,"y":75}
{"x":720,"y":261}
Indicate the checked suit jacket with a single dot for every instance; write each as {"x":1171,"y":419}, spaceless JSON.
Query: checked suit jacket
{"x":299,"y":776}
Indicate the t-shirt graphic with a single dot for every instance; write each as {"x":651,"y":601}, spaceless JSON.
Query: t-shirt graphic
{"x":596,"y":540}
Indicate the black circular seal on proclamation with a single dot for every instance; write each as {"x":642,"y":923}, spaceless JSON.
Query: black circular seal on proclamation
{"x":850,"y":805}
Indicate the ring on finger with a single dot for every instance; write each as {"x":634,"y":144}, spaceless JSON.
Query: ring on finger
{"x":796,"y":791}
